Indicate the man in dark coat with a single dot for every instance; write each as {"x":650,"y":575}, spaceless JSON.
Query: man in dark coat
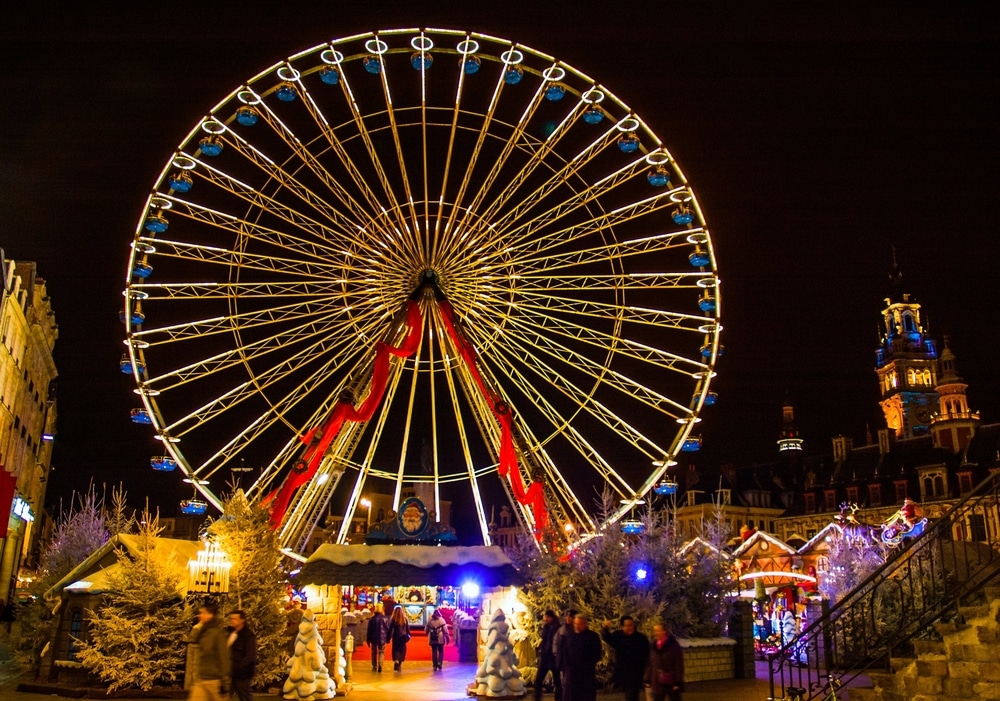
{"x":547,"y":657}
{"x":213,"y":656}
{"x":377,"y":636}
{"x":242,"y":654}
{"x":579,"y":652}
{"x":666,"y":665}
{"x":631,"y":656}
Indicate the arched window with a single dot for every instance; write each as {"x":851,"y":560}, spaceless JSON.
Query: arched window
{"x":822,"y":564}
{"x":908,"y":324}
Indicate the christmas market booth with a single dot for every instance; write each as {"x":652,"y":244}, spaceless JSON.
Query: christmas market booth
{"x":344,"y":583}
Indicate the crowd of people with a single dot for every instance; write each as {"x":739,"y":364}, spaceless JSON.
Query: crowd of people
{"x":223,"y":656}
{"x":570,"y":652}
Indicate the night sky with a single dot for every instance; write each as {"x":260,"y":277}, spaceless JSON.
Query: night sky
{"x":815,"y":139}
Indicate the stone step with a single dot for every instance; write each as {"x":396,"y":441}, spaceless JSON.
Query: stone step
{"x":883,"y":680}
{"x":970,"y":612}
{"x":944,"y":629}
{"x":862,"y":694}
{"x":898,"y":664}
{"x":991,"y":592}
{"x":928,"y":647}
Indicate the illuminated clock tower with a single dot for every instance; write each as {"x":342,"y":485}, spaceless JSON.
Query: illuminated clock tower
{"x":906,"y":363}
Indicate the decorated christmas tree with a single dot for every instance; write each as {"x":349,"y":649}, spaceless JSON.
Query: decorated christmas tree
{"x":308,"y":677}
{"x":498,"y":675}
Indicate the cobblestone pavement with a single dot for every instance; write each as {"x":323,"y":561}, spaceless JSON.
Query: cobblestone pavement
{"x":418,"y":682}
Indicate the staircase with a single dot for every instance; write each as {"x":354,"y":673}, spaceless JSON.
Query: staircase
{"x":883,"y":619}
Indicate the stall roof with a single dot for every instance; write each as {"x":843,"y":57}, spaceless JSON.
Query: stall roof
{"x":487,"y":565}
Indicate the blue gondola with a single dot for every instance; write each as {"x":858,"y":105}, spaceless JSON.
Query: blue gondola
{"x":143,"y":270}
{"x":125,"y":365}
{"x":513,"y":75}
{"x":372,"y":65}
{"x":247,"y":116}
{"x":329,"y":75}
{"x":136,"y":319}
{"x":699,"y":258}
{"x":592,"y":115}
{"x":286,"y":92}
{"x":628,"y":143}
{"x":707,"y":303}
{"x":210,"y":146}
{"x":470,"y":64}
{"x":666,"y":488}
{"x":555,"y":92}
{"x":711,"y":398}
{"x":421,"y":61}
{"x":632,"y":527}
{"x":194,"y":507}
{"x":658,"y":177}
{"x":163,"y":463}
{"x":683,"y":217}
{"x":141,"y":416}
{"x":692,"y":444}
{"x":180,"y":182}
{"x":157,"y":223}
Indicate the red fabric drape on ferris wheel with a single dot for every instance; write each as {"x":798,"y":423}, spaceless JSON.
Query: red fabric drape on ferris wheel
{"x":319,"y":438}
{"x":534,"y":496}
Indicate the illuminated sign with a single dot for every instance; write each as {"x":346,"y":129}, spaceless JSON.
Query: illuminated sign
{"x":22,"y":510}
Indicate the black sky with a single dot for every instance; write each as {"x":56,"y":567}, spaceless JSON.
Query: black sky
{"x":816,"y":139}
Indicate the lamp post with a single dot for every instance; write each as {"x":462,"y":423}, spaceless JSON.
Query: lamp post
{"x":367,"y":504}
{"x":208,"y":573}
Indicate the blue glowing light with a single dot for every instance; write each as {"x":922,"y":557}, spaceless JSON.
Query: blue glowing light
{"x":632,"y":527}
{"x":641,"y":573}
{"x":470,"y":590}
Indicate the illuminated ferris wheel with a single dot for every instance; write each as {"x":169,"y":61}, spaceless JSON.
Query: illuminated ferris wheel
{"x":430,"y":261}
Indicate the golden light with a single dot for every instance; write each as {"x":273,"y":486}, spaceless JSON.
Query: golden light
{"x":208,"y":573}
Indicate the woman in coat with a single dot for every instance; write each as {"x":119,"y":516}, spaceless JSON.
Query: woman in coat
{"x":666,"y":665}
{"x":437,"y":638}
{"x":399,"y":635}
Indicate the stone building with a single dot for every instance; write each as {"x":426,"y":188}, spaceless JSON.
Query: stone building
{"x":28,"y":333}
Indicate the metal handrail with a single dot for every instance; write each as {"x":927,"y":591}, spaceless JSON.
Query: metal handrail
{"x":958,"y":554}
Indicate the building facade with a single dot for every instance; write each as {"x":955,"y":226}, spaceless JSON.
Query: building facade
{"x":28,"y":334}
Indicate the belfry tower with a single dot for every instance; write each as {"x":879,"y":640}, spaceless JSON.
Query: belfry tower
{"x":906,"y":363}
{"x":954,"y":425}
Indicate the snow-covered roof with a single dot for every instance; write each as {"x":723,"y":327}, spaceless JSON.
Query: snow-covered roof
{"x":759,"y":536}
{"x":408,"y":564}
{"x":93,"y":574}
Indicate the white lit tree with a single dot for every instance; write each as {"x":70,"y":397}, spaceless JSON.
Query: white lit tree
{"x":308,"y":677}
{"x":498,"y":675}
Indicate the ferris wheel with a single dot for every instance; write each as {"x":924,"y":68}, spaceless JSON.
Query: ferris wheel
{"x":424,"y":261}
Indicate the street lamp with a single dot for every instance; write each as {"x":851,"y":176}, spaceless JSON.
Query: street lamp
{"x":208,"y":573}
{"x":367,"y":504}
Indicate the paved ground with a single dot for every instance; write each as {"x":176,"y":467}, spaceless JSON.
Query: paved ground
{"x":418,"y":682}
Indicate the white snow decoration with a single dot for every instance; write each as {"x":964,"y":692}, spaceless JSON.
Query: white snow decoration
{"x":498,"y":674}
{"x":416,"y":555}
{"x":308,"y":677}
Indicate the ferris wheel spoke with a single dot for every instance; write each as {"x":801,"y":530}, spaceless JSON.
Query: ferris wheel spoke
{"x":321,"y":237}
{"x":332,"y":291}
{"x":547,"y":304}
{"x":246,"y":353}
{"x":558,"y":179}
{"x":618,"y":250}
{"x":248,"y":261}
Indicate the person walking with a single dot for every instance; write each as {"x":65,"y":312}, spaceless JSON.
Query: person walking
{"x":547,"y":656}
{"x":377,"y":635}
{"x":212,"y":655}
{"x":666,"y":665}
{"x":580,"y":651}
{"x":563,"y":632}
{"x":437,"y":638}
{"x":242,"y":655}
{"x":399,"y":635}
{"x":631,"y":656}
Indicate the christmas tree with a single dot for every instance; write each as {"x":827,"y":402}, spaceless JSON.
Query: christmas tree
{"x":256,"y":581}
{"x":308,"y":677}
{"x":498,"y":675}
{"x":137,"y":637}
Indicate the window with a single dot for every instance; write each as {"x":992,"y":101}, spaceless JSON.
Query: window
{"x":830,"y":500}
{"x":874,"y":495}
{"x":900,"y":491}
{"x":964,"y":482}
{"x":75,"y":634}
{"x":810,"y":505}
{"x":932,"y":484}
{"x":852,"y":495}
{"x":822,"y":564}
{"x":977,"y":527}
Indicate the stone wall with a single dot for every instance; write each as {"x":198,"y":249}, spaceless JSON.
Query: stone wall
{"x":708,"y":658}
{"x":965,"y":665}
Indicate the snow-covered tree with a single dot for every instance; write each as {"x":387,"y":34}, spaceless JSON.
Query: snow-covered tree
{"x":498,"y":675}
{"x":256,"y":581}
{"x":79,"y":530}
{"x":137,"y":637}
{"x":308,"y":677}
